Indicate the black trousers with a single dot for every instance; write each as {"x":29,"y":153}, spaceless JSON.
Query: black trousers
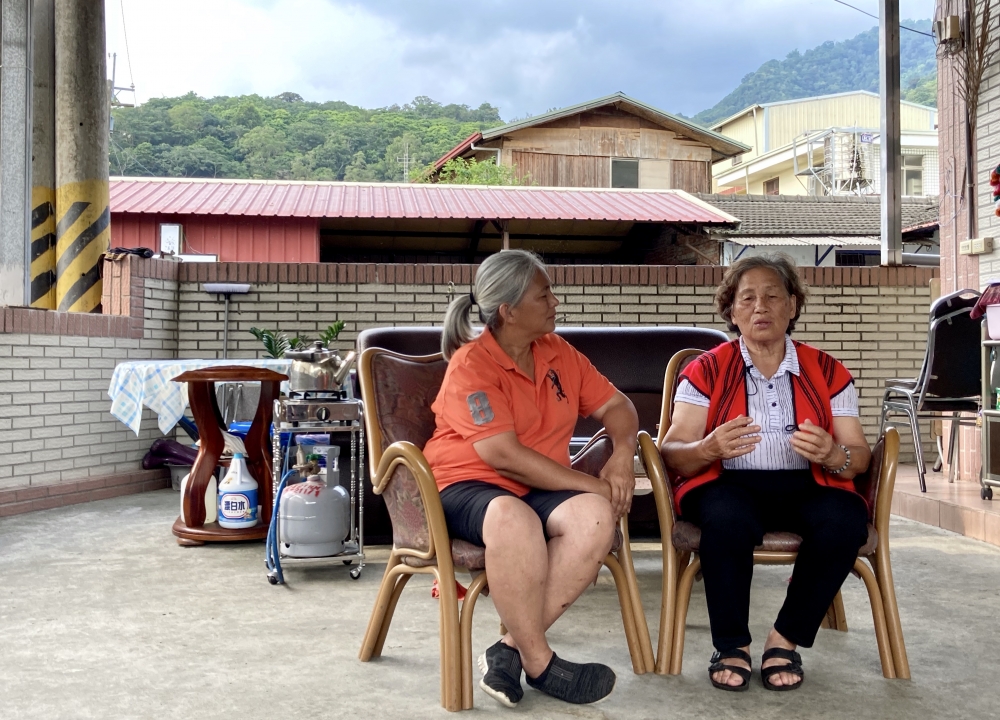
{"x":736,"y":510}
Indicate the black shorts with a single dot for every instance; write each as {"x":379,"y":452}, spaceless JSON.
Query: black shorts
{"x":465,"y":506}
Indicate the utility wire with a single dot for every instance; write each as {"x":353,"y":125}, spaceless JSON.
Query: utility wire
{"x":128,"y":55}
{"x":863,"y":12}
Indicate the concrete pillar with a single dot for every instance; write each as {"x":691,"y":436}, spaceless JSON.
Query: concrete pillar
{"x":43,"y":156}
{"x":15,"y":149}
{"x":891,"y":149}
{"x":82,"y":115}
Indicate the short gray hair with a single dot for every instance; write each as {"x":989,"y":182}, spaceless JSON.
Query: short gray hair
{"x":779,"y":263}
{"x":503,"y":278}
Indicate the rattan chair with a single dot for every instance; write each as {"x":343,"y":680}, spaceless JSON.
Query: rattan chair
{"x":681,"y":540}
{"x":398,"y":391}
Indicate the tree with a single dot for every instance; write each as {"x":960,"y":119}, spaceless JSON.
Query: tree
{"x":359,"y":170}
{"x":286,"y":137}
{"x":460,"y":171}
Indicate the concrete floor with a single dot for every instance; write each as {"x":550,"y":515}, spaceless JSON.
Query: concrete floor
{"x":103,"y":616}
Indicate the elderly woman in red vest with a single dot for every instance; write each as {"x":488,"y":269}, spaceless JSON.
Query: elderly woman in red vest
{"x":765,"y":436}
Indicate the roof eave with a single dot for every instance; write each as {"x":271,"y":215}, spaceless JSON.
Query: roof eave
{"x":725,"y":146}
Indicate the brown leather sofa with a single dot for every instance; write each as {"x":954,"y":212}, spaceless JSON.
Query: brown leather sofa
{"x":633,"y":358}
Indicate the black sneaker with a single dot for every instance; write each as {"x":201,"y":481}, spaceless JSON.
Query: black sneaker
{"x":501,"y":666}
{"x":574,"y":683}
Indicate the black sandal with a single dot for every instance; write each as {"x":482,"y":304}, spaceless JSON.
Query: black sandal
{"x":794,"y":667}
{"x":717,"y":666}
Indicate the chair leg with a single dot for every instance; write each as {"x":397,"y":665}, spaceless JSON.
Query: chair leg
{"x":387,"y":620}
{"x":878,"y":616}
{"x":883,"y":572}
{"x":377,"y":623}
{"x":882,"y":417}
{"x":836,"y":617}
{"x":668,"y":608}
{"x":917,"y":445}
{"x":680,"y":616}
{"x":628,"y":616}
{"x":952,"y":447}
{"x":624,"y":558}
{"x":468,"y":608}
{"x":451,"y":650}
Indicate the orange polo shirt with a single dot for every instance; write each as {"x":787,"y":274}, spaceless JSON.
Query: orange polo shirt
{"x":484,"y":393}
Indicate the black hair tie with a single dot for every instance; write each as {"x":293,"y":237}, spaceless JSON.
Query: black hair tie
{"x":472,"y":298}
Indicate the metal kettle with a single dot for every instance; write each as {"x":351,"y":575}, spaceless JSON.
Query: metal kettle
{"x":317,"y":368}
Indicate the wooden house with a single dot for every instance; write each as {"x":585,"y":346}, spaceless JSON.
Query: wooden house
{"x":612,"y":142}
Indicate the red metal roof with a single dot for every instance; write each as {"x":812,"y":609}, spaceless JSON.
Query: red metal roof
{"x":274,"y":198}
{"x":458,"y":150}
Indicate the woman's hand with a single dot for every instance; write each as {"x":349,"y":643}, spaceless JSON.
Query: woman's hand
{"x":818,"y":446}
{"x":732,"y":439}
{"x":619,"y":474}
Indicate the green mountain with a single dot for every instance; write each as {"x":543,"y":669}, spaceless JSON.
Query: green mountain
{"x":835,"y":67}
{"x":285,"y":137}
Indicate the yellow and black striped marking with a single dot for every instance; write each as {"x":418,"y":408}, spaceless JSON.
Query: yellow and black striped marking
{"x":83,"y":231}
{"x":43,"y":248}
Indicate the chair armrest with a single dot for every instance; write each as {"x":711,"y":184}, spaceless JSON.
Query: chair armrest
{"x":662,"y":493}
{"x":412,"y":458}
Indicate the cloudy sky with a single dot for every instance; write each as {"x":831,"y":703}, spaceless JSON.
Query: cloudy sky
{"x":524,"y":56}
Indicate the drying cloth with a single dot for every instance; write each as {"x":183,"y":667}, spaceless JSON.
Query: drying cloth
{"x":150,"y":383}
{"x":990,"y":296}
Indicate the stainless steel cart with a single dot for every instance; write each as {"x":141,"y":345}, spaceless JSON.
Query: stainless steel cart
{"x":298,"y":415}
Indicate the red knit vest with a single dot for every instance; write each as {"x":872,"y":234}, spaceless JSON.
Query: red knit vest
{"x":720,"y":374}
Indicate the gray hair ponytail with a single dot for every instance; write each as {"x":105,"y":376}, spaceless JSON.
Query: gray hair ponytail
{"x":503,"y":278}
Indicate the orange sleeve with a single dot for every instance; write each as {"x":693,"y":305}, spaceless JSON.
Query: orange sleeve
{"x":595,"y":389}
{"x":475,"y":404}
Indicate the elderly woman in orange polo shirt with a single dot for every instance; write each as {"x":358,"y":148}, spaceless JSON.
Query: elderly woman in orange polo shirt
{"x":505,"y":413}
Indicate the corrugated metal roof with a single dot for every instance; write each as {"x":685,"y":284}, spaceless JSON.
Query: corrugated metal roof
{"x":274,"y":198}
{"x":458,"y":150}
{"x":822,"y":240}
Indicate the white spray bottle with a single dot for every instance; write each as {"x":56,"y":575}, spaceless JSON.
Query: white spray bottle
{"x":237,"y":496}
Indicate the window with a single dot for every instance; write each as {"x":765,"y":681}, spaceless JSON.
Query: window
{"x":771,"y":186}
{"x":858,"y":258}
{"x":624,"y":173}
{"x":171,"y":238}
{"x":913,"y":174}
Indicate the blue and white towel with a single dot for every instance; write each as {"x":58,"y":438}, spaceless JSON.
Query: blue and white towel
{"x":150,"y":383}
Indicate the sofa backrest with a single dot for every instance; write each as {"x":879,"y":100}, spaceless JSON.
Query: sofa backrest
{"x":634,"y":359}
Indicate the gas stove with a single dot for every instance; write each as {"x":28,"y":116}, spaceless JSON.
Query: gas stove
{"x":316,"y":408}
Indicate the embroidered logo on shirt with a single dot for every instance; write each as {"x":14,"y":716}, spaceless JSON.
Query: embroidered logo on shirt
{"x":479,"y":406}
{"x":553,"y":377}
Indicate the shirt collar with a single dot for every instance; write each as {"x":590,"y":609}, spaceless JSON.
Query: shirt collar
{"x":790,"y":363}
{"x":546,"y":352}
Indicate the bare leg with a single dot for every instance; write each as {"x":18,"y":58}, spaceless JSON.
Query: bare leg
{"x":517,"y":563}
{"x":581,"y":531}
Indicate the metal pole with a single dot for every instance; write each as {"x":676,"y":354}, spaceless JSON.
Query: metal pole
{"x":43,"y":160}
{"x":15,"y":150}
{"x":82,"y":116}
{"x":225,"y":330}
{"x":891,"y":194}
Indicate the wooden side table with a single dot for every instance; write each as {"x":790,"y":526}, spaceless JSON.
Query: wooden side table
{"x":205,"y":408}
